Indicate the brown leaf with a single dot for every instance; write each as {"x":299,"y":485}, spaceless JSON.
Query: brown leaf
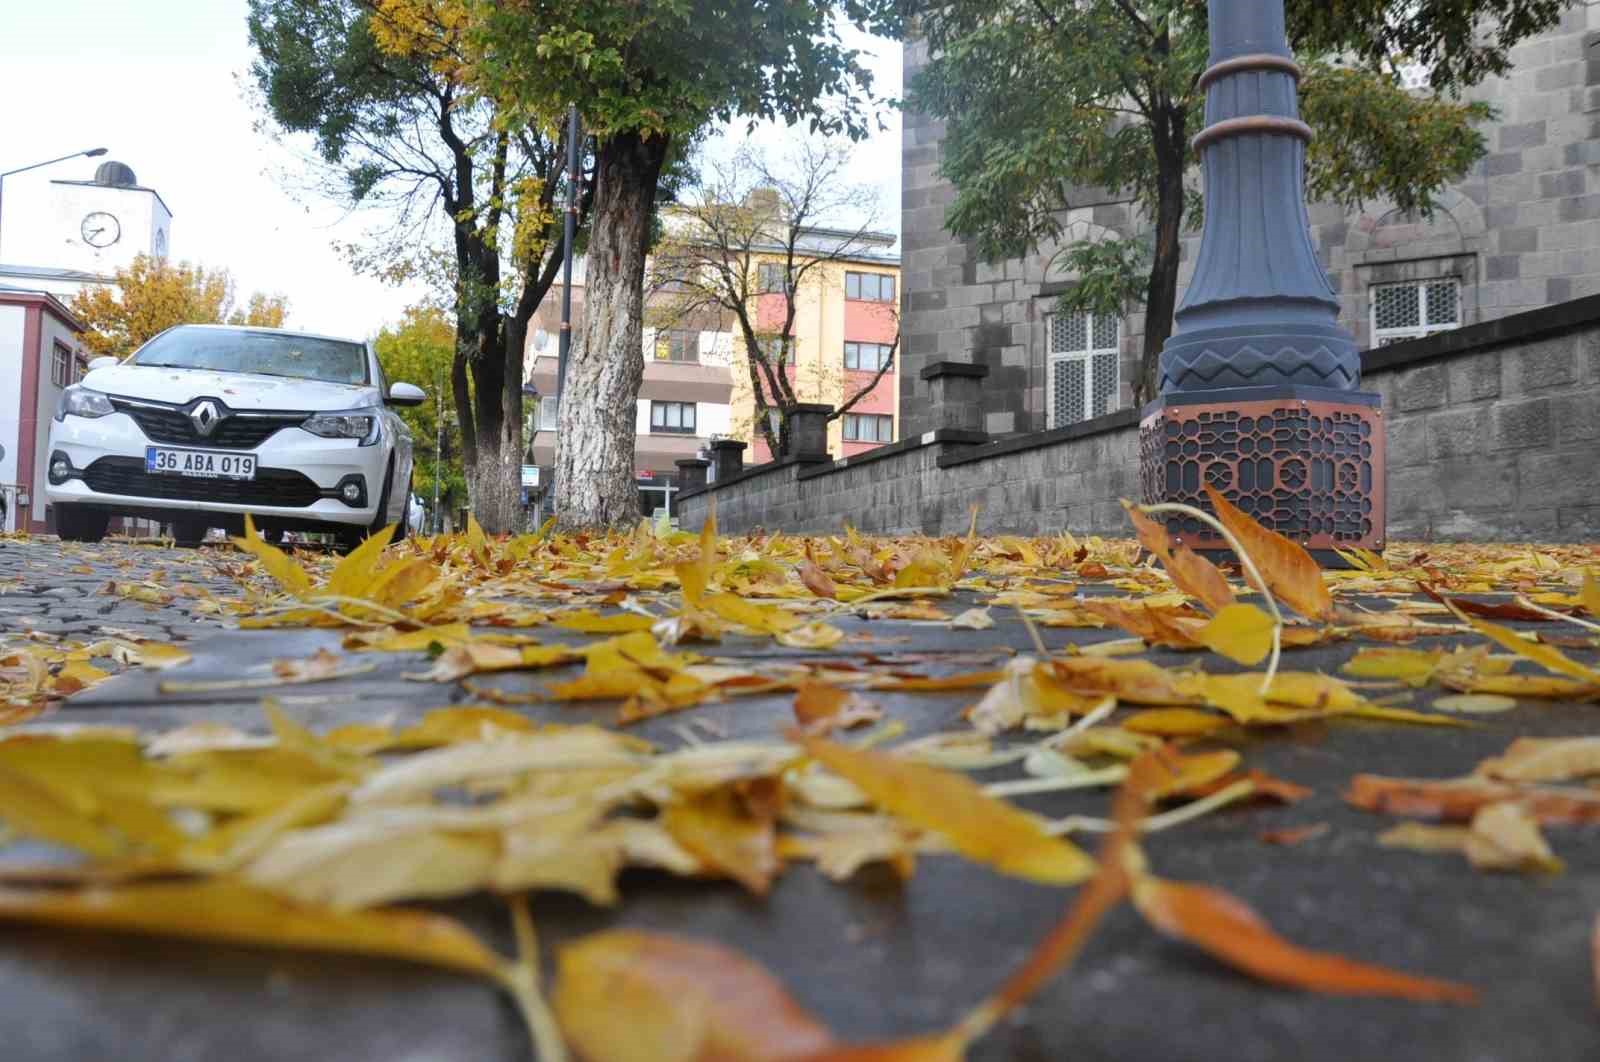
{"x":1288,"y":569}
{"x":1190,"y":572}
{"x":816,"y":580}
{"x":722,"y":833}
{"x":821,"y":708}
{"x":1544,"y":760}
{"x":1229,"y":930}
{"x":633,"y":996}
{"x":1293,"y":835}
{"x":1458,"y":799}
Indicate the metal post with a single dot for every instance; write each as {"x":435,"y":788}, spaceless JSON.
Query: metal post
{"x":438,"y":448}
{"x":1259,"y":381}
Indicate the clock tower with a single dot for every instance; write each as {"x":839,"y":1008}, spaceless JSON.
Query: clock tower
{"x":63,"y":235}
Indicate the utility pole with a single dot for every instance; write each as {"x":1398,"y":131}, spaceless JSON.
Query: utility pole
{"x":570,"y":233}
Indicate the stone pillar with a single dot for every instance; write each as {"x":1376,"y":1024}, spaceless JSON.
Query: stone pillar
{"x":808,"y":431}
{"x":692,"y":472}
{"x":1259,"y":383}
{"x":955,"y":395}
{"x":727,"y":459}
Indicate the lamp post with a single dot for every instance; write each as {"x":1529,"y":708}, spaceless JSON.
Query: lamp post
{"x":1259,"y":382}
{"x":89,"y":154}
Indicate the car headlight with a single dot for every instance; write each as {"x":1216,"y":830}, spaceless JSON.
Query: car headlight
{"x":82,"y":402}
{"x":350,"y":424}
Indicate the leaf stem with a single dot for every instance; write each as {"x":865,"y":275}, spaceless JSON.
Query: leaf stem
{"x":1522,"y":600}
{"x":521,"y":979}
{"x":1250,"y":570}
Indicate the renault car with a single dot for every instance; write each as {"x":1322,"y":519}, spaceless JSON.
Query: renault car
{"x":204,"y":424}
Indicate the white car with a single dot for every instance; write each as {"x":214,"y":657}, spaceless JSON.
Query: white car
{"x":205,"y":423}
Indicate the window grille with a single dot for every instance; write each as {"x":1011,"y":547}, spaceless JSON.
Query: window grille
{"x":1084,"y":366}
{"x":1414,"y":309}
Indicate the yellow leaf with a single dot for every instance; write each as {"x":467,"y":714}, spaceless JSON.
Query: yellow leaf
{"x":1174,"y":722}
{"x":222,"y":909}
{"x":276,"y":563}
{"x":355,"y":574}
{"x":726,"y":837}
{"x":979,"y":826}
{"x":1414,"y":667}
{"x":348,"y":865}
{"x":35,"y":809}
{"x":78,"y":675}
{"x":1242,"y":633}
{"x":1506,"y":836}
{"x":1474,"y":703}
{"x":1545,"y":760}
{"x":813,"y":635}
{"x":760,"y":618}
{"x":1590,"y":594}
{"x":1288,"y":569}
{"x":634,"y":996}
{"x":417,"y":641}
{"x":1546,"y":656}
{"x":588,"y":621}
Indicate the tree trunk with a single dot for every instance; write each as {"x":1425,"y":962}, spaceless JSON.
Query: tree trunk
{"x":595,"y":485}
{"x":496,"y":476}
{"x":1161,"y":297}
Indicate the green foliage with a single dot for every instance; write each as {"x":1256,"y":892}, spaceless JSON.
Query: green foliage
{"x":419,"y":351}
{"x":1047,"y":102}
{"x":1111,"y":273}
{"x":669,"y":67}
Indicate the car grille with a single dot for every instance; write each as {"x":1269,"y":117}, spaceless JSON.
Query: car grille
{"x":167,"y":425}
{"x":272,"y":486}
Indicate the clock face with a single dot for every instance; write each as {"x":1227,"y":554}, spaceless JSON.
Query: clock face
{"x":100,"y":229}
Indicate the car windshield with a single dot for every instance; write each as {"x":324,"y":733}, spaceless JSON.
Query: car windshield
{"x":264,"y":353}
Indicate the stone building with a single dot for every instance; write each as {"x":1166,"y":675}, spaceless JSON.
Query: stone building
{"x":1520,"y":231}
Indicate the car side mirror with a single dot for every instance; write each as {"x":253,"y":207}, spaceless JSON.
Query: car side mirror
{"x":404,"y":394}
{"x":104,"y":361}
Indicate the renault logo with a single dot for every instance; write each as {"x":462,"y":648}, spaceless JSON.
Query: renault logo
{"x":205,"y":416}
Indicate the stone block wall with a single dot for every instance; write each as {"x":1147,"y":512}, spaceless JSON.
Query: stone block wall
{"x":1521,"y":230}
{"x":1493,"y":433}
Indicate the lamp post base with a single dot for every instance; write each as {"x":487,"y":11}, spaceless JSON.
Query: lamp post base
{"x":1306,"y":462}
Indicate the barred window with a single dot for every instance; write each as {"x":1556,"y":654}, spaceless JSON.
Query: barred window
{"x":869,"y":357}
{"x":868,"y":427}
{"x":1413,"y":309}
{"x":1084,"y":366}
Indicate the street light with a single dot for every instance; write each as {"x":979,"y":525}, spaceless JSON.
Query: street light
{"x":89,"y":154}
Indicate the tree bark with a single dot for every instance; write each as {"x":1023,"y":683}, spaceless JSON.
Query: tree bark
{"x":1161,"y":298}
{"x":595,"y":485}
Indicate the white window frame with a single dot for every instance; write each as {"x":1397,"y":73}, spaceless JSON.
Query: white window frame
{"x":880,"y":422}
{"x":1056,"y":358}
{"x":1382,"y":337}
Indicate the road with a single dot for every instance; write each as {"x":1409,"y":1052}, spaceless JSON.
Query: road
{"x":874,"y":958}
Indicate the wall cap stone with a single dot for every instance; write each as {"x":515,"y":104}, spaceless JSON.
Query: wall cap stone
{"x":954,"y":368}
{"x":1102,"y":425}
{"x":727,"y":444}
{"x":749,"y":472}
{"x":955,"y":436}
{"x":1521,"y":327}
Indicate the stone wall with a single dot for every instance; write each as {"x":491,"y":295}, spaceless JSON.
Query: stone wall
{"x":1521,"y":230}
{"x":1493,"y":432}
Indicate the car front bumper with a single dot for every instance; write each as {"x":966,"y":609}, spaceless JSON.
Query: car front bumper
{"x":298,"y":481}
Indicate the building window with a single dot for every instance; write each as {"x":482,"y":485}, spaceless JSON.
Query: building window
{"x":868,"y":427}
{"x":869,"y":357}
{"x":1084,"y":366}
{"x":548,"y":413}
{"x":61,"y":365}
{"x":672,"y":417}
{"x":677,"y":346}
{"x":869,"y":287}
{"x":770,"y":278}
{"x":1418,"y":308}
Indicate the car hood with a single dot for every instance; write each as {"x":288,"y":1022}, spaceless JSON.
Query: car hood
{"x":237,"y":390}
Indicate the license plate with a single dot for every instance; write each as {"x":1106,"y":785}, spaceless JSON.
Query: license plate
{"x":201,"y":464}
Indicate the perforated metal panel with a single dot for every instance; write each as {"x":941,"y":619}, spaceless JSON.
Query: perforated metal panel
{"x":1104,"y":387}
{"x":1106,"y":332}
{"x":1414,"y":75}
{"x":1068,"y":390}
{"x":1069,"y":333}
{"x":1443,"y":303}
{"x":1397,"y":306}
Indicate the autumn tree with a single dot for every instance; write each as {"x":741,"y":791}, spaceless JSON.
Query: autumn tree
{"x":150,"y":295}
{"x":751,"y":241}
{"x":471,"y":191}
{"x":421,"y":349}
{"x":1111,"y":100}
{"x":644,"y":77}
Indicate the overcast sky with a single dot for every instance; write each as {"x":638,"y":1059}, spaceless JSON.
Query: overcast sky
{"x":161,"y":83}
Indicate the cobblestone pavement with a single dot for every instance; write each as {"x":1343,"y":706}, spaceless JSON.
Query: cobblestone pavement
{"x":72,"y":591}
{"x":873,"y":957}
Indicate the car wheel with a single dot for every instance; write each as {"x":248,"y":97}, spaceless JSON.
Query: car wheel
{"x":272,"y":536}
{"x":74,"y":523}
{"x":403,"y":528}
{"x":188,"y":531}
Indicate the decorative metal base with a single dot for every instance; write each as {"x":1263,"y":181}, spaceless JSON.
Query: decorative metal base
{"x":1304,"y":461}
